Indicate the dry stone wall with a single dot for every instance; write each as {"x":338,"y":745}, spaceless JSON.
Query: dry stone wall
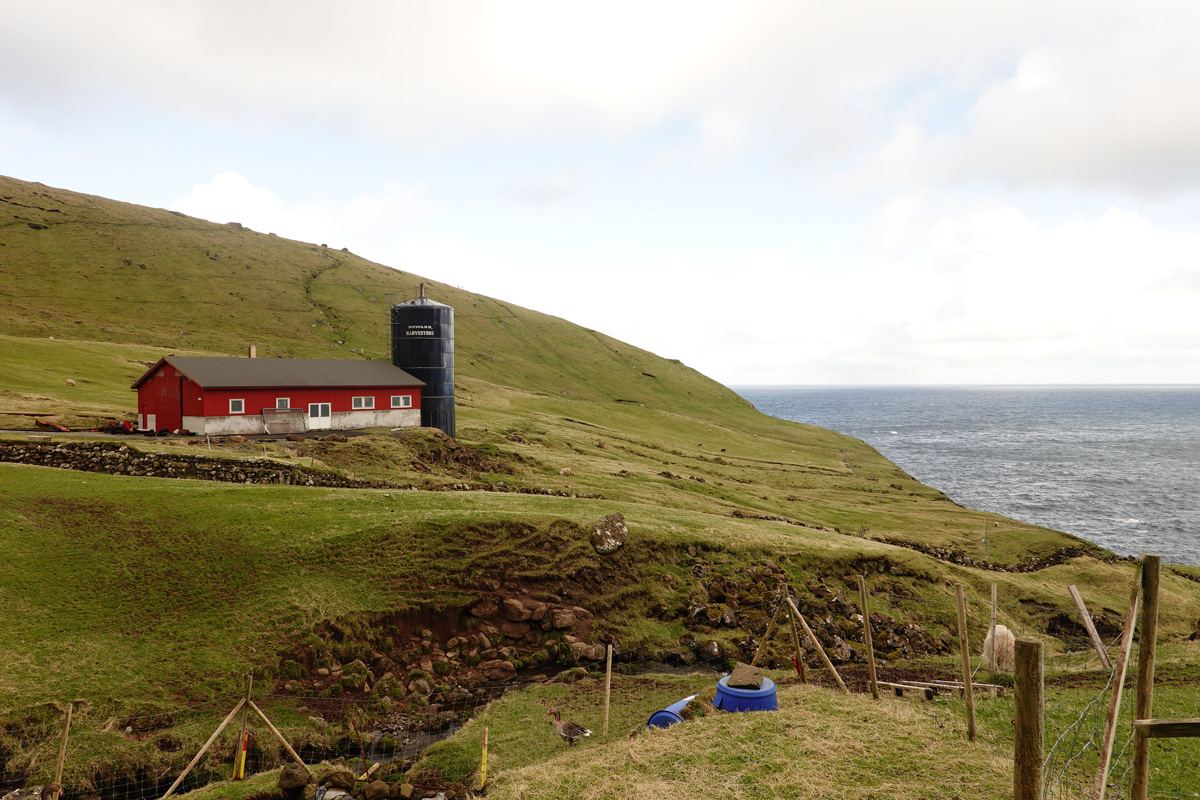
{"x":115,"y":458}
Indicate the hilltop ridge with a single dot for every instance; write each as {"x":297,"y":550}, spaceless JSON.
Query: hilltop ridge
{"x":87,"y":268}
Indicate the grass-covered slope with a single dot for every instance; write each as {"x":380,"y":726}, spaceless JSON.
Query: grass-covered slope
{"x":149,"y":587}
{"x":88,"y":269}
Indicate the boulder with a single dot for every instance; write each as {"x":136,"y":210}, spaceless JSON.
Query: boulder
{"x":588,"y":652}
{"x":497,"y":670}
{"x":377,"y":790}
{"x":293,"y":776}
{"x":516,"y":610}
{"x":610,"y":533}
{"x":339,"y":779}
{"x":562,"y":618}
{"x":515,"y":630}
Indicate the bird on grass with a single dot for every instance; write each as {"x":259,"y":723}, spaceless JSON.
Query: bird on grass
{"x":571,"y":732}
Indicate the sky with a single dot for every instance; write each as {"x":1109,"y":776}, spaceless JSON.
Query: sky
{"x":805,"y":193}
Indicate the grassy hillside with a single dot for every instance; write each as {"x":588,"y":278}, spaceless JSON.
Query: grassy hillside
{"x":148,"y":590}
{"x":89,"y":269}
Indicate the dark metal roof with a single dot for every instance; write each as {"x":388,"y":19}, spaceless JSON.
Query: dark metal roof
{"x":422,"y":301}
{"x":254,"y":373}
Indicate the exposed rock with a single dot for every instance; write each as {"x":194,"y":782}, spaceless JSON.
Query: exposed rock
{"x":515,"y":630}
{"x":516,"y":610}
{"x":377,"y":790}
{"x":293,"y":776}
{"x":339,"y":779}
{"x":610,"y":533}
{"x":589,"y":652}
{"x":497,"y":670}
{"x":539,"y":611}
{"x":562,"y":618}
{"x":484,"y":608}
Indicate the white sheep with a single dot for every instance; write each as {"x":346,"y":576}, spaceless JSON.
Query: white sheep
{"x":565,"y":471}
{"x":1005,"y":643}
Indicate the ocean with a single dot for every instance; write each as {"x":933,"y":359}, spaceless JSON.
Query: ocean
{"x":1117,"y":465}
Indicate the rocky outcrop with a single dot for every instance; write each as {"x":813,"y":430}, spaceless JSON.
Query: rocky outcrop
{"x":610,"y":534}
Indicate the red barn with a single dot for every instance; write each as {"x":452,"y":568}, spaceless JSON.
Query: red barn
{"x":220,"y":396}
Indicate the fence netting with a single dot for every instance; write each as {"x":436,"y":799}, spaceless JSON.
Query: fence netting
{"x":138,"y":752}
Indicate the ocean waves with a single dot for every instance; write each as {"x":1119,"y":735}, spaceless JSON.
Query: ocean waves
{"x":1119,"y":466}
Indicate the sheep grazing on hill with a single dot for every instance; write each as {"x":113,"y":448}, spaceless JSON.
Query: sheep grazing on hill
{"x":565,"y":471}
{"x":1004,"y":644}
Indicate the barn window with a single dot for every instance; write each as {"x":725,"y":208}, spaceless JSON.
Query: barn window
{"x":363,"y":402}
{"x":401,"y":401}
{"x":283,"y":402}
{"x":237,"y":406}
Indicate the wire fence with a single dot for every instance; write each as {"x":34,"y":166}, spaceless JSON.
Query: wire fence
{"x":138,"y":753}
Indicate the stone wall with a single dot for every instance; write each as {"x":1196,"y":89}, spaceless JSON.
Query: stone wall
{"x":116,"y":458}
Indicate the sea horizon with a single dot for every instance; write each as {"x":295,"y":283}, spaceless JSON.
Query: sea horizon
{"x":1116,"y":464}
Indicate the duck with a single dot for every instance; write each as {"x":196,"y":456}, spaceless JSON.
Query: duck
{"x":570,"y":732}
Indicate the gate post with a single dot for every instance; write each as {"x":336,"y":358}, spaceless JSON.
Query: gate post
{"x":1028,"y":741}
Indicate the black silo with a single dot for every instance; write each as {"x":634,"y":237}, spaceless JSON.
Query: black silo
{"x":423,"y":346}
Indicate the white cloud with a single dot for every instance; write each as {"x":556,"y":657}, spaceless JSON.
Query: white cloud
{"x":995,"y":298}
{"x":1024,"y":91}
{"x":543,"y":189}
{"x":990,"y":296}
{"x":370,"y":221}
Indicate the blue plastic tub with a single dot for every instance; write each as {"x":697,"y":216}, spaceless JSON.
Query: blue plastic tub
{"x":730,"y":698}
{"x":669,"y":715}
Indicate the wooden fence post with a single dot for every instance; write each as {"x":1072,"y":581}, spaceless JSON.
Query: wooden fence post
{"x":800,"y":668}
{"x":766,"y":636}
{"x":204,"y":749}
{"x":607,"y":691}
{"x":62,"y":753}
{"x":867,"y":640}
{"x":278,"y":735}
{"x":1028,"y":742}
{"x":1145,"y":679}
{"x":817,"y":642}
{"x":1114,"y":700}
{"x":1097,"y":644}
{"x":965,"y":648}
{"x":992,"y":635}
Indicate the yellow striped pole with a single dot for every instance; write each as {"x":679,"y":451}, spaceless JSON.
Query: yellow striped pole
{"x":483,"y":767}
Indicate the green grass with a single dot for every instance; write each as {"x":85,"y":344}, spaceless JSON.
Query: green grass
{"x":819,"y":744}
{"x":125,"y":590}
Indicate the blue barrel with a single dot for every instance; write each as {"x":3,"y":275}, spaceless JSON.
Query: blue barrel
{"x":731,"y":698}
{"x":669,"y":715}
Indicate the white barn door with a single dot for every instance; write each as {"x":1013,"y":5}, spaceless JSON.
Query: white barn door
{"x":318,"y":416}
